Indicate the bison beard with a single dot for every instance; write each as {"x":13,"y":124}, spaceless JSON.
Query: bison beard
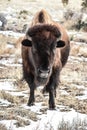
{"x":45,"y":50}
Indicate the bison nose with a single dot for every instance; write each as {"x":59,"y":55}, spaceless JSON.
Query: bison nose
{"x":44,"y":73}
{"x":42,"y":70}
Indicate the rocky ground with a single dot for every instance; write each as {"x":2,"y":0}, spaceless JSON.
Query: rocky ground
{"x":72,"y":90}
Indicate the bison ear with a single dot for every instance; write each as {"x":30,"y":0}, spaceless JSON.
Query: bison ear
{"x":60,"y":44}
{"x":26,"y":42}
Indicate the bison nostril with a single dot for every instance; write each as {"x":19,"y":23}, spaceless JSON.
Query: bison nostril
{"x":43,"y":73}
{"x":44,"y":70}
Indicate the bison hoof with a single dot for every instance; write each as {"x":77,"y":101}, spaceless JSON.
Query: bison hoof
{"x":52,"y":107}
{"x":30,"y":104}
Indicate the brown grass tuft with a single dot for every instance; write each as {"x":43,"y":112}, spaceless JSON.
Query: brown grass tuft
{"x":7,"y":96}
{"x":3,"y":127}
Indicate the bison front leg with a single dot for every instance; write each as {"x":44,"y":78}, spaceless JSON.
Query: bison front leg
{"x":51,"y":99}
{"x":31,"y":98}
{"x":51,"y":87}
{"x":30,"y":80}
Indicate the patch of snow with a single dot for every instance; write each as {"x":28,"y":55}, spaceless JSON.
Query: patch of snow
{"x":72,"y":58}
{"x":8,"y":17}
{"x":15,"y":65}
{"x":4,"y":102}
{"x":49,"y":120}
{"x":18,"y":94}
{"x":77,"y":59}
{"x":76,"y":34}
{"x":0,"y":23}
{"x":6,"y":86}
{"x":5,"y":61}
{"x":84,"y":96}
{"x":11,"y":33}
{"x":1,"y":67}
{"x":79,"y":86}
{"x":72,"y":32}
{"x":80,"y":43}
{"x":34,"y":108}
{"x":8,"y":62}
{"x":53,"y":118}
{"x":63,"y":92}
{"x":84,"y":19}
{"x":10,"y":46}
{"x":10,"y":10}
{"x":9,"y":124}
{"x":20,"y":60}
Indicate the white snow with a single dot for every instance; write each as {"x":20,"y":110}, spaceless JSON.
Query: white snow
{"x":10,"y":46}
{"x":4,"y":102}
{"x":0,"y":23}
{"x":5,"y":61}
{"x":6,"y":86}
{"x":63,"y":92}
{"x":20,"y":94}
{"x":11,"y":33}
{"x":84,"y":96}
{"x":84,"y":17}
{"x":79,"y":86}
{"x":34,"y":108}
{"x":9,"y":124}
{"x":77,"y":59}
{"x":9,"y":62}
{"x":15,"y":65}
{"x":49,"y":120}
{"x":53,"y":118}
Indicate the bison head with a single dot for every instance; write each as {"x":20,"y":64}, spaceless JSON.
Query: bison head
{"x":43,"y":40}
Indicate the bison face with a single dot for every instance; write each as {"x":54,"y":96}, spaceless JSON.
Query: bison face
{"x":43,"y":53}
{"x":43,"y":40}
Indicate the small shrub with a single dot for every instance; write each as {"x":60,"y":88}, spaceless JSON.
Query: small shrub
{"x":68,"y":14}
{"x":76,"y":124}
{"x":3,"y":127}
{"x":65,"y":2}
{"x":80,"y":25}
{"x":23,"y":12}
{"x":7,"y":96}
{"x":84,"y":4}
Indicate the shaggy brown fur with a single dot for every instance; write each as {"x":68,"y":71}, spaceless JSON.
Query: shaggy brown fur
{"x":45,"y":51}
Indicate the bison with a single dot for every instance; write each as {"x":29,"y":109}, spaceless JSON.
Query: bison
{"x":45,"y":50}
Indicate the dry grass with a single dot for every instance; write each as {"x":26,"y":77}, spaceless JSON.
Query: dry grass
{"x":76,"y":124}
{"x":74,"y":49}
{"x":4,"y":40}
{"x":3,"y":127}
{"x":21,"y":122}
{"x":10,"y":98}
{"x":21,"y":115}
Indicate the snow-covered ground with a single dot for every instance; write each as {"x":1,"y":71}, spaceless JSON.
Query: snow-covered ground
{"x":47,"y":121}
{"x":71,"y":100}
{"x":50,"y":120}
